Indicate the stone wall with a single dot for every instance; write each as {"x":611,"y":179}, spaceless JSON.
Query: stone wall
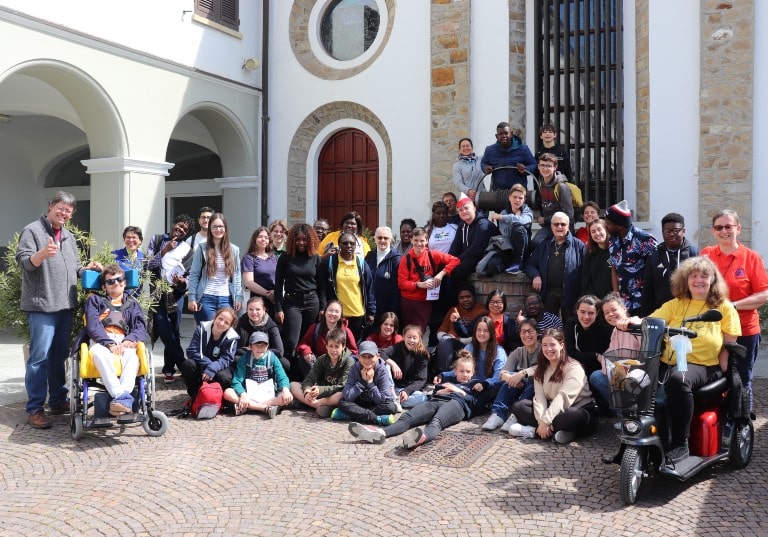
{"x":449,"y":99}
{"x":517,"y":71}
{"x":515,"y":287}
{"x":642,"y":114}
{"x":726,"y":104}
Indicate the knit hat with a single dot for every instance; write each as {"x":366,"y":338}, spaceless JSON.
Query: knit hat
{"x":463,"y":199}
{"x":619,"y":214}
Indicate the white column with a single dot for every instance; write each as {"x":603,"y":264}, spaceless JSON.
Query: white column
{"x":125,"y":192}
{"x":241,"y":205}
{"x":488,"y":69}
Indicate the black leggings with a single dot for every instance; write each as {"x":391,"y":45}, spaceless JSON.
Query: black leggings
{"x":437,"y":414}
{"x":581,"y":420}
{"x":679,"y":390}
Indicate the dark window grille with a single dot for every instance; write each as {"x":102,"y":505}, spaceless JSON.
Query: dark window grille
{"x":224,"y":12}
{"x":579,"y":88}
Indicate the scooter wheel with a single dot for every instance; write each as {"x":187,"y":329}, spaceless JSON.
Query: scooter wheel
{"x":632,"y":471}
{"x":741,"y":445}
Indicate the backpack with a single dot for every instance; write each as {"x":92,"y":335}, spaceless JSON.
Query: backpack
{"x":577,"y":197}
{"x":207,"y":402}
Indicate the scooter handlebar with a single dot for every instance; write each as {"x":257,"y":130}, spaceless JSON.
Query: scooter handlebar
{"x":682,"y":331}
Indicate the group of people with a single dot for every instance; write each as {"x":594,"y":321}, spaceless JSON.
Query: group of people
{"x":321,"y":328}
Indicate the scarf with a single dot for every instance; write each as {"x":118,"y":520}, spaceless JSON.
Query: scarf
{"x":468,"y":158}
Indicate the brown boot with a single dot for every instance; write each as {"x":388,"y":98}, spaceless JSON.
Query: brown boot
{"x":58,"y":410}
{"x":39,"y":420}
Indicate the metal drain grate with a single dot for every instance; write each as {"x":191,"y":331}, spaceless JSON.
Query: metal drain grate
{"x":455,"y":450}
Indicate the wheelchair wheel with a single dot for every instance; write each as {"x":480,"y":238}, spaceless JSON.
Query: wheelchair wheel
{"x":742,"y":445}
{"x":156,"y":423}
{"x":76,"y":426}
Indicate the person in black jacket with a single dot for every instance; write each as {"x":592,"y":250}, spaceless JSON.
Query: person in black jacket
{"x":663,"y":261}
{"x":555,"y":268}
{"x":471,"y":240}
{"x":349,"y":280}
{"x":383,"y":263}
{"x":587,"y":334}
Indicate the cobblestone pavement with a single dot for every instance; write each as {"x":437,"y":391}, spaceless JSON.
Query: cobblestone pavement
{"x":300,"y":475}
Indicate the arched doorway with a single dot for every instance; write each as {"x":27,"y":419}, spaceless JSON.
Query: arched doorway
{"x":348,"y":178}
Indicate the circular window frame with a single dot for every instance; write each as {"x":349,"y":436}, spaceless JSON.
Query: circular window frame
{"x":307,"y":46}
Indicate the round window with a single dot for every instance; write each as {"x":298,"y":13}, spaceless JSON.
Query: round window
{"x":348,"y":28}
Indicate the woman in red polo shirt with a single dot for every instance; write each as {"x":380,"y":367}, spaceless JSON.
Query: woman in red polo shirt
{"x":744,"y":272}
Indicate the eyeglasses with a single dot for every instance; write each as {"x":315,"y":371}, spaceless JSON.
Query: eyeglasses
{"x":673,"y":230}
{"x":218,"y":228}
{"x":559,"y":224}
{"x":64,"y":209}
{"x":726,"y":227}
{"x":382,"y":238}
{"x":529,"y":332}
{"x":496,"y":302}
{"x":113,"y":281}
{"x":546,"y":165}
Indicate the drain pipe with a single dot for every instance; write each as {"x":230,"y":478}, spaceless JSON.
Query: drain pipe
{"x":265,"y":112}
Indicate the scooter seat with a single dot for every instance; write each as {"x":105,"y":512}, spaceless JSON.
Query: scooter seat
{"x":712,"y":391}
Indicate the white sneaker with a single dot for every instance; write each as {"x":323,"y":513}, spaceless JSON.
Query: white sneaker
{"x":522,"y":431}
{"x":493,"y":422}
{"x":564,"y":437}
{"x":509,"y":423}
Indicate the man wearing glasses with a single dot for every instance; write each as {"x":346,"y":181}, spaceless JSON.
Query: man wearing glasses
{"x":663,"y":261}
{"x":50,"y":265}
{"x":555,"y":268}
{"x":203,"y":219}
{"x":554,"y":196}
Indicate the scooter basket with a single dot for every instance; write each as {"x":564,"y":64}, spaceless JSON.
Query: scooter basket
{"x":632,"y":376}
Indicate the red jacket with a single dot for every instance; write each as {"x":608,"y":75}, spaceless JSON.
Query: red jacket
{"x":408,"y":275}
{"x":313,"y":341}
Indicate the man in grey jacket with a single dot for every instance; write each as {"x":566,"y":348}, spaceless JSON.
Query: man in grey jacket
{"x":50,"y":265}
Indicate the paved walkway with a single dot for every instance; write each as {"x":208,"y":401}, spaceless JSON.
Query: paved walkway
{"x":300,"y":475}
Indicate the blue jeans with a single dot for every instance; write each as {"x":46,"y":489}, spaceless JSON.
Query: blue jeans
{"x":508,"y":395}
{"x":598,"y":381}
{"x":48,"y":351}
{"x":208,"y":304}
{"x":746,"y":365}
{"x":166,"y":325}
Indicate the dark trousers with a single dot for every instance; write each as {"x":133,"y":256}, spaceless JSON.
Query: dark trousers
{"x":553,"y":303}
{"x":582,"y":421}
{"x":679,"y":391}
{"x":355,"y":325}
{"x":436,"y":414}
{"x":746,"y":365}
{"x":300,"y":310}
{"x":446,"y":353}
{"x":167,"y":326}
{"x":366,"y":412}
{"x":192,"y":374}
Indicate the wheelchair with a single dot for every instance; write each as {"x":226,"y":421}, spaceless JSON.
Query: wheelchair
{"x":89,"y":400}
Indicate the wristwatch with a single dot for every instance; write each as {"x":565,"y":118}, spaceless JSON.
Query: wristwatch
{"x":525,"y":373}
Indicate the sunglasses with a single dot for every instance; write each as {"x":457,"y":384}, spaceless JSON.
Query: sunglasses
{"x":113,"y":281}
{"x":726,"y":227}
{"x":559,"y":224}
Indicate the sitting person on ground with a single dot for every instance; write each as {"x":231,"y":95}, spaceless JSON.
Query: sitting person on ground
{"x":367,"y":396}
{"x":387,"y":333}
{"x":455,"y":331}
{"x":313,"y":344}
{"x":587,"y":335}
{"x":258,"y":381}
{"x":115,"y":326}
{"x":507,"y":252}
{"x":321,"y":388}
{"x":521,"y":358}
{"x":533,"y":308}
{"x":211,"y":352}
{"x":450,"y":403}
{"x":562,"y":407}
{"x":489,"y":356}
{"x":407,"y":361}
{"x":615,"y":312}
{"x":256,"y":319}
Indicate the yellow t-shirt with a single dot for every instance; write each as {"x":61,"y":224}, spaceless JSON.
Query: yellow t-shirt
{"x":348,"y":288}
{"x":706,"y":346}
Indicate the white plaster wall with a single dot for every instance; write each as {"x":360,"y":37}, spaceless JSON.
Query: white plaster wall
{"x":760,"y":133}
{"x":674,"y":112}
{"x":396,"y":87}
{"x":161,"y":28}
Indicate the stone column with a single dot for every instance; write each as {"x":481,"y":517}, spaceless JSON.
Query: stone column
{"x":726,"y":104}
{"x":241,"y":206}
{"x":125,"y":192}
{"x":450,"y":89}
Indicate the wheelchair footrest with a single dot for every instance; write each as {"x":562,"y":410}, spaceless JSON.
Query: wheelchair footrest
{"x":98,"y":423}
{"x":131,"y":418}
